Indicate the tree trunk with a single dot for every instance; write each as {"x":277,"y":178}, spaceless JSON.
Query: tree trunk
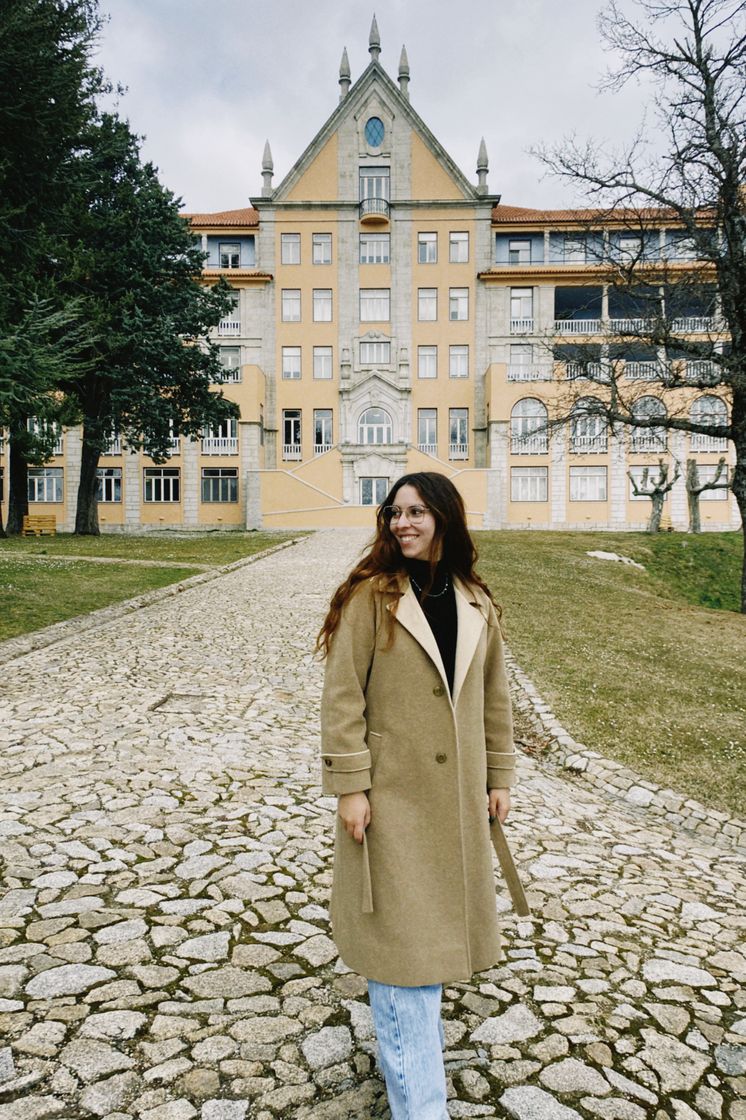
{"x":656,"y":513}
{"x":86,"y":513}
{"x":18,"y":484}
{"x":695,"y":521}
{"x":738,"y":486}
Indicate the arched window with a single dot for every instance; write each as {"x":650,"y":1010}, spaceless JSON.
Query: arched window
{"x":528,"y":427}
{"x":375,"y":426}
{"x":711,"y":411}
{"x":588,"y":427}
{"x":648,"y":439}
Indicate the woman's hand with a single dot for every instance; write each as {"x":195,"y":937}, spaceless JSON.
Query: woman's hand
{"x":498,"y":803}
{"x":354,"y":810}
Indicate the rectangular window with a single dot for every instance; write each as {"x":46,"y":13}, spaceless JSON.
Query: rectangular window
{"x":458,"y":361}
{"x":291,"y":363}
{"x":45,"y":484}
{"x":322,"y":248}
{"x":46,"y":429}
{"x":707,"y":472}
{"x":322,"y":430}
{"x":291,"y":445}
{"x":458,"y":433}
{"x":322,"y":363}
{"x":521,"y":309}
{"x":427,"y":361}
{"x":230,"y":360}
{"x":290,"y":248}
{"x":231,"y":324}
{"x":458,"y":247}
{"x":291,"y":305}
{"x":587,"y":484}
{"x":573,"y":250}
{"x":375,"y":305}
{"x":528,"y":484}
{"x":373,"y":491}
{"x":161,"y":484}
{"x":458,"y":303}
{"x":374,"y":182}
{"x":109,"y":484}
{"x":427,"y":248}
{"x":375,"y":248}
{"x":630,"y":249}
{"x":322,"y":305}
{"x":521,"y":354}
{"x":221,"y":439}
{"x":427,"y":430}
{"x":219,"y":484}
{"x":519,"y":252}
{"x":427,"y":304}
{"x":375,"y":353}
{"x":230,"y":254}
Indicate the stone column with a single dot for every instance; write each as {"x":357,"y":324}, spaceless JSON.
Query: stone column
{"x":250,"y":474}
{"x":73,"y":448}
{"x":190,"y":482}
{"x":498,"y":478}
{"x":557,"y":479}
{"x":679,"y":510}
{"x":133,"y":489}
{"x":618,"y":482}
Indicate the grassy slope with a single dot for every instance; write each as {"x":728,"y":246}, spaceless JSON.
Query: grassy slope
{"x":629,"y":660}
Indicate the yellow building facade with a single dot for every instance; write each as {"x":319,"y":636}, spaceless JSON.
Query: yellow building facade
{"x":392,"y":316}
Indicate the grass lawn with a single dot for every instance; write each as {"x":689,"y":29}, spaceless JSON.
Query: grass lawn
{"x":40,"y":584}
{"x":637,"y":665}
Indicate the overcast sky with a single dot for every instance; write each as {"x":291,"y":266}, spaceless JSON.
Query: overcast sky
{"x":209,"y":80}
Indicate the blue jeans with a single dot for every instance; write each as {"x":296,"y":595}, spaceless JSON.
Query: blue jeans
{"x":410,"y":1045}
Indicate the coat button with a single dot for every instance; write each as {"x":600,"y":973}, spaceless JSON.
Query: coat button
{"x":438,"y":690}
{"x":441,"y":757}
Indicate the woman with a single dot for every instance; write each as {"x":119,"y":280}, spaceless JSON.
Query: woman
{"x":417,"y":745}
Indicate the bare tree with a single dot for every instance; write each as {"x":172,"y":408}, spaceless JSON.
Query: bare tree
{"x":667,"y":231}
{"x":694,"y":487}
{"x":654,"y":487}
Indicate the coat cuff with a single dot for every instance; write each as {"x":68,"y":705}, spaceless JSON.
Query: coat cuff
{"x":501,"y":769}
{"x":345,"y":773}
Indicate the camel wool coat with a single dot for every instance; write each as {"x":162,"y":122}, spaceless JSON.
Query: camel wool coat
{"x":415,"y":903}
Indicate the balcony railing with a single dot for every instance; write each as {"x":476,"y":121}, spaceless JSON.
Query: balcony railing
{"x":589,"y":445}
{"x":702,"y":442}
{"x":706,"y":372}
{"x":529,"y":445}
{"x":458,"y":450}
{"x":696,"y":324}
{"x":529,"y":373}
{"x":648,"y":440}
{"x":175,"y":445}
{"x":320,"y":448}
{"x":522,"y":326}
{"x":577,"y":326}
{"x":113,"y":447}
{"x":432,"y":448}
{"x":374,"y":210}
{"x":220,"y":445}
{"x":630,"y":326}
{"x":643,"y":371}
{"x":229,"y":327}
{"x":576,"y":371}
{"x":291,"y":451}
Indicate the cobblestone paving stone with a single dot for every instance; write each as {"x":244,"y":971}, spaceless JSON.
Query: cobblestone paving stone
{"x":164,"y":943}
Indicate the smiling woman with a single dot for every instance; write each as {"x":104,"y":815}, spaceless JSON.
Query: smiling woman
{"x":416,"y":729}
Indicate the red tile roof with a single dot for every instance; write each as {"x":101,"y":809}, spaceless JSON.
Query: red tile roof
{"x":513,"y":214}
{"x":248,"y":216}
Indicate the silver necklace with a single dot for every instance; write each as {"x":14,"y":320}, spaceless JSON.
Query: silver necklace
{"x":430,"y":594}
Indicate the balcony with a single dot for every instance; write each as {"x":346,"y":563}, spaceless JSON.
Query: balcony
{"x":702,"y":442}
{"x":432,"y":448}
{"x":592,"y":371}
{"x":229,"y":328}
{"x":705,"y":372}
{"x":292,"y":451}
{"x":522,"y":326}
{"x":630,"y":326}
{"x":458,"y":450}
{"x":220,"y":445}
{"x":643,"y":371}
{"x":529,"y":373}
{"x":113,"y":447}
{"x":577,"y":326}
{"x":696,"y":324}
{"x":650,"y":440}
{"x":175,"y":445}
{"x":374,"y":211}
{"x":529,"y":445}
{"x":320,"y":448}
{"x":589,"y":445}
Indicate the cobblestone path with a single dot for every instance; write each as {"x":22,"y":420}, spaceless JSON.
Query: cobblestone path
{"x":164,"y":948}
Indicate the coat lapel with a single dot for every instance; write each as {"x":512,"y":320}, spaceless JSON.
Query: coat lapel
{"x":470,"y":622}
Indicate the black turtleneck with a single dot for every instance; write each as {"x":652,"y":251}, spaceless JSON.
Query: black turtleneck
{"x":439,"y":609}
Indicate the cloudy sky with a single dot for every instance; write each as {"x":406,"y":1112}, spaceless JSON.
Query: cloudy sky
{"x":209,"y":80}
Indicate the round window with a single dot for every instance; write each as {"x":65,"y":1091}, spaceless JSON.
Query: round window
{"x":374,"y":132}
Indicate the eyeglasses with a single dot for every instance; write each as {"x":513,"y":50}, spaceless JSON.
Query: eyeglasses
{"x":414,"y":514}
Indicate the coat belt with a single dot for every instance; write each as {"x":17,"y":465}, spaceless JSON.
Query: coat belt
{"x":504,"y":855}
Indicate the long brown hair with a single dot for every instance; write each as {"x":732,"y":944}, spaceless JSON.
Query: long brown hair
{"x":451,"y":542}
